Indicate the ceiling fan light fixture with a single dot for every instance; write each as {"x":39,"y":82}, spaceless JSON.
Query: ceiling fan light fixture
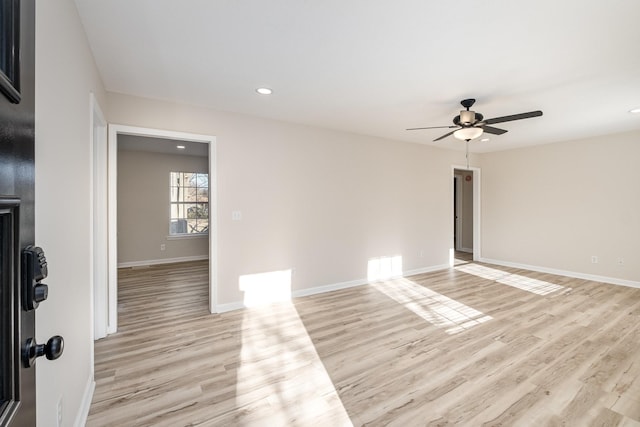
{"x":467,"y":117}
{"x":264,"y":91}
{"x":468,"y":133}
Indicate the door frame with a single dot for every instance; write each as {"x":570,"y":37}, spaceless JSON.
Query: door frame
{"x":476,"y":210}
{"x":114,"y":131}
{"x":457,"y":218}
{"x":98,"y":217}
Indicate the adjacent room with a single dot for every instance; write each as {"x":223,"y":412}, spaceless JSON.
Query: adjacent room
{"x":338,"y":213}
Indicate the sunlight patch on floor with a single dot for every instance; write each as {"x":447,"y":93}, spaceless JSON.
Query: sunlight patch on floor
{"x":281,"y":379}
{"x":437,"y":309}
{"x":538,"y":287}
{"x":265,"y":288}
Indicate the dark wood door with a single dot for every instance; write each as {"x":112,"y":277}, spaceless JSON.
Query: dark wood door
{"x":17,"y":86}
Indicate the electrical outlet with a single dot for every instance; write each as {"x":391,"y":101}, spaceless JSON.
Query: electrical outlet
{"x":594,"y":259}
{"x":59,"y":411}
{"x":236,"y":215}
{"x":421,"y":254}
{"x":163,"y":247}
{"x":620,"y":261}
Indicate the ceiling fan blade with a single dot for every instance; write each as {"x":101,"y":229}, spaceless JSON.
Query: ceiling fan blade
{"x":513,"y":117}
{"x":444,"y":136}
{"x":493,"y":131}
{"x":434,"y":127}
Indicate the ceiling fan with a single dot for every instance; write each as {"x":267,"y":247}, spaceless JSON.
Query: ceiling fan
{"x":470,"y":125}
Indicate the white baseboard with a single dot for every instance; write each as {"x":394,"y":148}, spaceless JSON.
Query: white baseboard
{"x":230,"y":306}
{"x":85,"y":405}
{"x":467,"y":250}
{"x":222,"y":308}
{"x":328,"y":288}
{"x":425,"y":270}
{"x":162,"y":261}
{"x":592,"y":277}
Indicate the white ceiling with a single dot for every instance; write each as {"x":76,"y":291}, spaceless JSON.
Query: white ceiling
{"x":376,"y":67}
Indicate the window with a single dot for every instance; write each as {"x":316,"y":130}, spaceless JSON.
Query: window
{"x":189,"y":203}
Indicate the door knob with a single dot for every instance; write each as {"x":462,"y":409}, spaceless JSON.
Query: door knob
{"x":52,"y":350}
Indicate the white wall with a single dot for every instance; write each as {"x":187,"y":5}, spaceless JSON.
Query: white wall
{"x":317,"y":201}
{"x":555,"y":206}
{"x":65,"y":75}
{"x":143,"y":207}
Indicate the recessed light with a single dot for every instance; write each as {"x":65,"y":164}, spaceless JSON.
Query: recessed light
{"x":180,"y":147}
{"x":635,"y":111}
{"x":484,"y":140}
{"x":264,"y":91}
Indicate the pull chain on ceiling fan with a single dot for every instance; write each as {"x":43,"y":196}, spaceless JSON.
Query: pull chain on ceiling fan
{"x":466,"y":154}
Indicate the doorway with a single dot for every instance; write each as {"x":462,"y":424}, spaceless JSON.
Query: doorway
{"x":463,"y":212}
{"x":465,"y":215}
{"x":159,"y":136}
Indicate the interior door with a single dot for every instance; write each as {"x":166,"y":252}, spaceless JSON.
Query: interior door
{"x":17,"y":46}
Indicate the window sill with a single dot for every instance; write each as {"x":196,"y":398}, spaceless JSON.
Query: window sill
{"x":187,"y":236}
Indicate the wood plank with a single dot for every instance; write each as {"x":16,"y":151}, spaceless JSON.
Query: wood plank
{"x":404,"y":352}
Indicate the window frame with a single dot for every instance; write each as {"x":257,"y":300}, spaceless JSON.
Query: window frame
{"x":177,"y":235}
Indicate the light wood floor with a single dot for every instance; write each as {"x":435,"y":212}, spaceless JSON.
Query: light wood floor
{"x":474,"y":345}
{"x":462,"y":257}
